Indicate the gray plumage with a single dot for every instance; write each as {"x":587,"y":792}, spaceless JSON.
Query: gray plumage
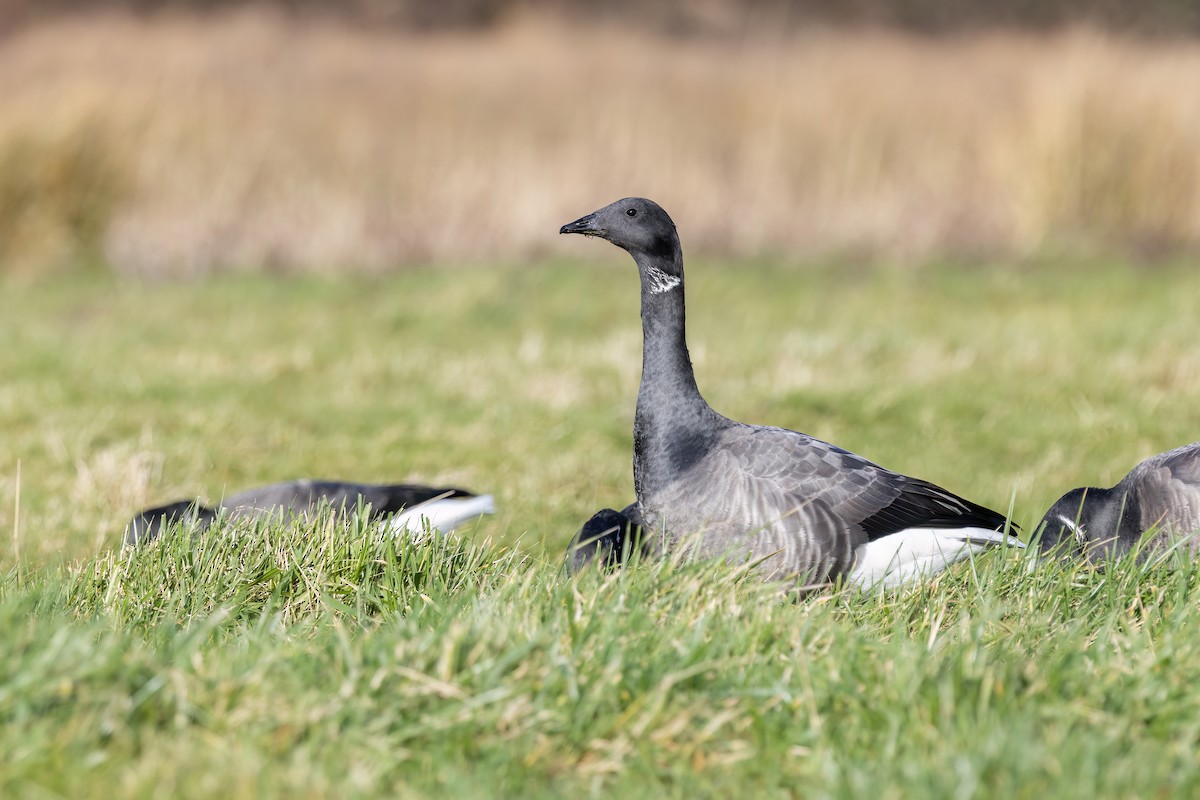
{"x":809,"y":511}
{"x":1161,"y":493}
{"x":301,"y":498}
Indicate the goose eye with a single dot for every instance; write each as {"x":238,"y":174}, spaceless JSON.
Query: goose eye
{"x":632,"y":212}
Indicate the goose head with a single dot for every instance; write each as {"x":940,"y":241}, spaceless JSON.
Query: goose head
{"x":1086,"y":520}
{"x":642,"y":228}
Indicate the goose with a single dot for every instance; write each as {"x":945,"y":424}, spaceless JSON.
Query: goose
{"x":1161,"y":493}
{"x":406,"y":506}
{"x":606,"y":539}
{"x":804,"y":510}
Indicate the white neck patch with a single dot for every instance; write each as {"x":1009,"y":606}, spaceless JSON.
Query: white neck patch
{"x":660,"y":281}
{"x":1080,"y":536}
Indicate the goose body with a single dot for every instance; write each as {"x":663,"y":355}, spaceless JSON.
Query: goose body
{"x":406,"y":506}
{"x":807,"y":510}
{"x":1161,"y":493}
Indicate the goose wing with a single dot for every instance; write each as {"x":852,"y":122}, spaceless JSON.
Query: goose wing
{"x":842,"y":514}
{"x":302,"y":496}
{"x":794,"y":470}
{"x":1166,"y":488}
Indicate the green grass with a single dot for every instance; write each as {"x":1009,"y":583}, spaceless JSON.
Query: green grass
{"x":318,"y":660}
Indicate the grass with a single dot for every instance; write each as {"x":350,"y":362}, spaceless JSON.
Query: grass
{"x":136,"y":144}
{"x":317,"y":660}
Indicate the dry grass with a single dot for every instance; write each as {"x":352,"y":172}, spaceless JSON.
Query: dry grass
{"x":181,"y":146}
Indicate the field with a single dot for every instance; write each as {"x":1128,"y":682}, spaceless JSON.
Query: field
{"x":187,"y":146}
{"x":319,"y":661}
{"x":243,"y":247}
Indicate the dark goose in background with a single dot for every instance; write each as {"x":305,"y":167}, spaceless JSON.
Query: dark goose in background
{"x":1161,"y":493}
{"x":405,"y":504}
{"x":607,"y":539}
{"x":810,"y":511}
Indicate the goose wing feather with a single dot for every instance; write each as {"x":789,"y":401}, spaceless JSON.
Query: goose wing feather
{"x":1167,"y":489}
{"x":793,"y":469}
{"x":817,"y":502}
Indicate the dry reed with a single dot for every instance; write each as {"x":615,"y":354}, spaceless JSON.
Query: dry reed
{"x":182,"y":146}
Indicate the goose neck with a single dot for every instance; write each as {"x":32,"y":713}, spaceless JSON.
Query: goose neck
{"x":668,"y":389}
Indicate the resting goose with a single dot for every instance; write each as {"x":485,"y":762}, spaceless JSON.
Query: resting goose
{"x":1161,"y":493}
{"x":606,"y":540}
{"x":806,"y":510}
{"x":406,"y":506}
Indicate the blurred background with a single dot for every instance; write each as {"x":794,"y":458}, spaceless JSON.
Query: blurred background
{"x":168,"y":138}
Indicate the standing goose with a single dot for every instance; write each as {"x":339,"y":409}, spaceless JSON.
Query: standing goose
{"x":406,"y":505}
{"x":806,"y":510}
{"x":1162,"y":492}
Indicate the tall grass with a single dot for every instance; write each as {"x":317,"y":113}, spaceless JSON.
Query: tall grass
{"x":286,"y":568}
{"x":181,"y":146}
{"x":996,"y":680}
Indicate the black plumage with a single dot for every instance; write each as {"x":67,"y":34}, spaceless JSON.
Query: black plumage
{"x":607,"y":539}
{"x":1161,"y":494}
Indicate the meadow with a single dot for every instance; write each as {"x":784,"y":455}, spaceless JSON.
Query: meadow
{"x":243,"y":247}
{"x":185,"y":146}
{"x":317,"y":660}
